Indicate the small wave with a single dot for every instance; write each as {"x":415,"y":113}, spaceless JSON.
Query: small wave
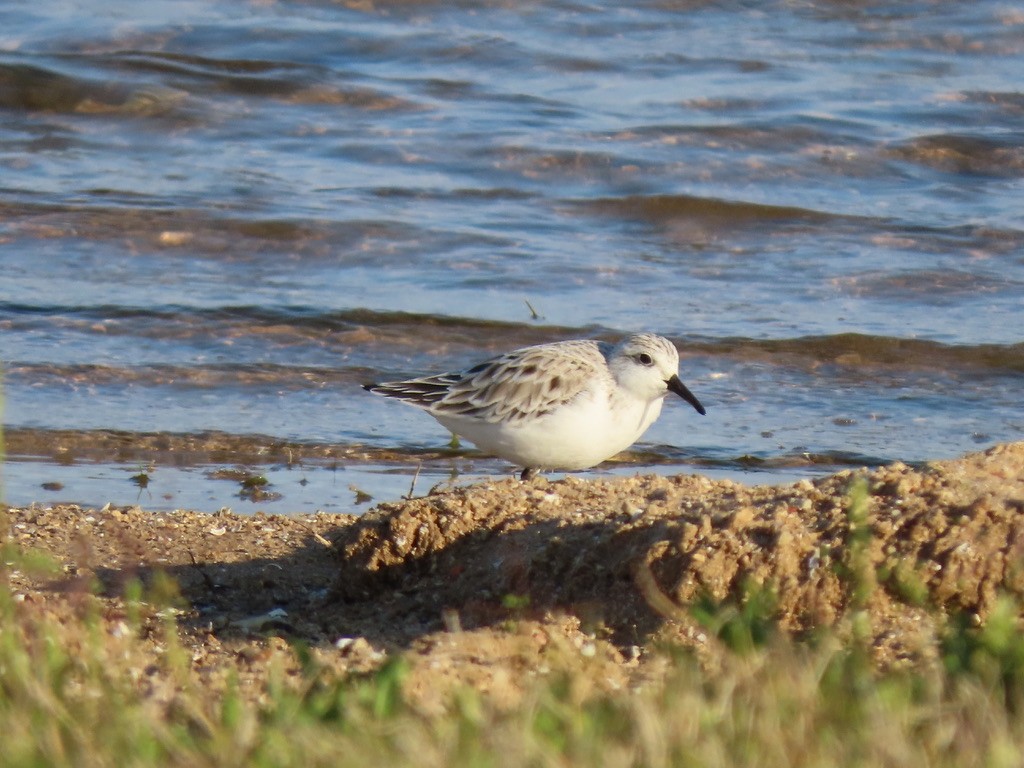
{"x":730,"y":213}
{"x":234,"y":376}
{"x":162,"y":234}
{"x":287,"y":81}
{"x":1009,"y":102}
{"x":930,"y":286}
{"x":284,"y":324}
{"x":856,"y":349}
{"x":964,"y":154}
{"x":30,"y":88}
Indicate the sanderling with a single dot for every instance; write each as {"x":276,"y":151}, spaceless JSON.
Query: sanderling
{"x":562,"y":406}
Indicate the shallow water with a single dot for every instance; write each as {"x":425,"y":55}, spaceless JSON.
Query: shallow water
{"x":219,"y":218}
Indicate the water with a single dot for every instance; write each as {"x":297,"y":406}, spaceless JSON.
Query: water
{"x":218,"y":218}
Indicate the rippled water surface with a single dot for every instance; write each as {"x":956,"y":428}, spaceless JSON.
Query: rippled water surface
{"x":218,"y":218}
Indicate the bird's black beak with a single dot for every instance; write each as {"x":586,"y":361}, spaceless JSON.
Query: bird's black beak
{"x":675,"y":385}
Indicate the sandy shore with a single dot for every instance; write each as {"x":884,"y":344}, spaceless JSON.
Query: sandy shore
{"x":485,"y":585}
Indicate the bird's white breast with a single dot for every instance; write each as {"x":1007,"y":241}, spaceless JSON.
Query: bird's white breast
{"x":581,"y":434}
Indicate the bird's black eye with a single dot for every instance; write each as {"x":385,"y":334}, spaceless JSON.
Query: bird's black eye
{"x":644,"y":359}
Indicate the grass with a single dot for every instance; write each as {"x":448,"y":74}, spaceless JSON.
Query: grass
{"x":79,"y":689}
{"x":71,"y":693}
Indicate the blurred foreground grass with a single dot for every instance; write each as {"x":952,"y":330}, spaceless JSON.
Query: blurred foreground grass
{"x":79,"y":691}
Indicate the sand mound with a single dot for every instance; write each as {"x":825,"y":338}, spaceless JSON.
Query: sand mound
{"x":628,"y":554}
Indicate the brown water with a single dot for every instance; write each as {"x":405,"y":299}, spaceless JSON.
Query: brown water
{"x":218,"y":218}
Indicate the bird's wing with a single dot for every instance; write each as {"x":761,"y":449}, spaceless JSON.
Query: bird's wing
{"x":423,"y":392}
{"x":527,"y":383}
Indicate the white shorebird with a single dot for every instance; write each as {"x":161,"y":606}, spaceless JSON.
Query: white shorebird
{"x":562,"y":406}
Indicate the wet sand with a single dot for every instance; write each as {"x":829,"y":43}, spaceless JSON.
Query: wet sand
{"x":486,"y":585}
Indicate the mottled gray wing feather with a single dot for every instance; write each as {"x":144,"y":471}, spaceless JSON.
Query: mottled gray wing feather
{"x":527,"y":383}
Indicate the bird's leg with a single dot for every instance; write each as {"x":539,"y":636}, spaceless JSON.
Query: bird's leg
{"x":528,"y":474}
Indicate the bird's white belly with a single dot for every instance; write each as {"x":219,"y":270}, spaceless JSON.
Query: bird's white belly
{"x":577,"y":436}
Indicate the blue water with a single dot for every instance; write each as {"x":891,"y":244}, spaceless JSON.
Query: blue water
{"x":219,"y":217}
